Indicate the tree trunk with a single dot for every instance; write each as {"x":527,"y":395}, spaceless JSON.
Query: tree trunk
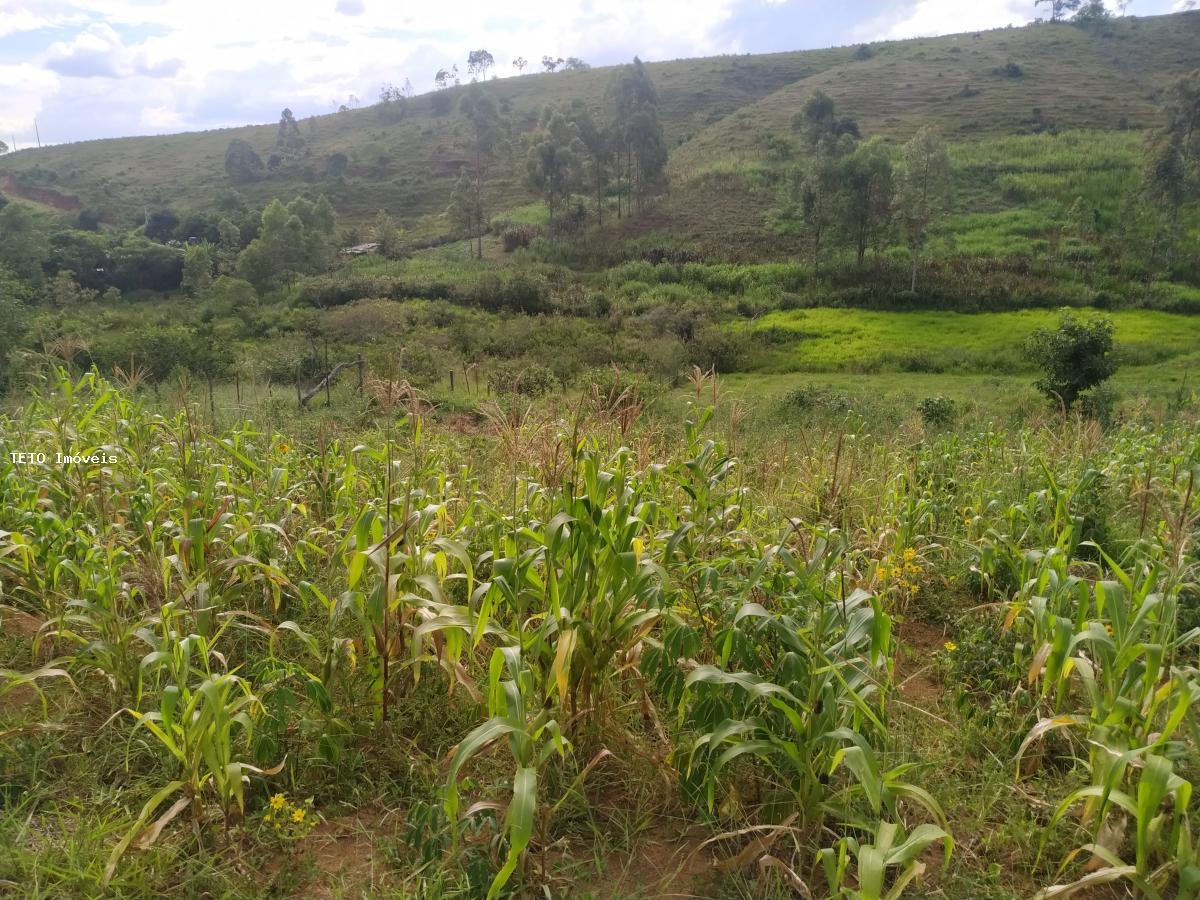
{"x":913,"y":286}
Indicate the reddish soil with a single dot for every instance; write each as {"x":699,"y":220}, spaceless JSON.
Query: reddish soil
{"x":920,"y":643}
{"x":45,"y":196}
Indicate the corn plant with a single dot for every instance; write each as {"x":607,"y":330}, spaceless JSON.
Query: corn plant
{"x":1108,"y":658}
{"x":406,"y":550}
{"x":804,"y":674}
{"x":204,"y":727}
{"x":533,"y":736}
{"x":868,"y":880}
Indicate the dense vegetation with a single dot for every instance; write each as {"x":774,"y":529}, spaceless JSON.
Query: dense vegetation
{"x":749,"y":477}
{"x":600,"y":618}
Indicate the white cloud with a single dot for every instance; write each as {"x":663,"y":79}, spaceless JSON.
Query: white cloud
{"x":931,"y":17}
{"x":99,"y":52}
{"x":26,"y":85}
{"x":131,"y":66}
{"x":202,"y":65}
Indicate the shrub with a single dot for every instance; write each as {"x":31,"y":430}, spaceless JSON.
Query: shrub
{"x":366,"y":321}
{"x":1099,"y":403}
{"x":526,"y":379}
{"x":936,"y":412}
{"x":1074,"y":357}
{"x":716,"y":348}
{"x":816,"y":400}
{"x":676,"y":256}
{"x":516,"y":237}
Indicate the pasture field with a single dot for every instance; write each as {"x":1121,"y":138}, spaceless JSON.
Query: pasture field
{"x":829,"y":340}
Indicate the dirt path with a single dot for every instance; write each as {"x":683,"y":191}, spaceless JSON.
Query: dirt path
{"x":915,"y":667}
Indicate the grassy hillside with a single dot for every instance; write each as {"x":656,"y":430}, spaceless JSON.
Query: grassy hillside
{"x":715,"y":112}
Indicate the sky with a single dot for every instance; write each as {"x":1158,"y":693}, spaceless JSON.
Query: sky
{"x":88,"y":69}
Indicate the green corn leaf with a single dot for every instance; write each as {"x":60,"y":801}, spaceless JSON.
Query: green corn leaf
{"x":519,"y":822}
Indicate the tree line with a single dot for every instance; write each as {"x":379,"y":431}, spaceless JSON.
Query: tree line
{"x":850,"y":187}
{"x":619,"y":154}
{"x":854,"y":191}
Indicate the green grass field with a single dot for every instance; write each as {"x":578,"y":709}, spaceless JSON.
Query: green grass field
{"x":833,"y":340}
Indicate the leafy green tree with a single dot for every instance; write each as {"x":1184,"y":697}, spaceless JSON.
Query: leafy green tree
{"x":1091,"y":12}
{"x":289,"y":140}
{"x":388,"y":235}
{"x":461,"y":211}
{"x":818,"y":120}
{"x":599,"y":151}
{"x":3,"y":148}
{"x":15,"y":294}
{"x":1058,"y":8}
{"x":393,"y":104}
{"x":813,"y":200}
{"x":1074,"y":357}
{"x":923,"y":183}
{"x":487,"y":133}
{"x":445,"y":77}
{"x":83,"y":253}
{"x":867,"y":195}
{"x":478,"y":63}
{"x":161,"y":224}
{"x":519,"y":64}
{"x":242,"y":163}
{"x":553,"y":160}
{"x":641,"y":152}
{"x":24,"y":242}
{"x":229,"y":244}
{"x":293,"y":240}
{"x":63,"y":292}
{"x":197,"y":270}
{"x":1170,"y":175}
{"x":140,"y":264}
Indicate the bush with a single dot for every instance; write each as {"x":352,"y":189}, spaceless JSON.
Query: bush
{"x":816,"y":400}
{"x":936,"y":412}
{"x":676,"y":256}
{"x":525,"y":379}
{"x":1074,"y":357}
{"x":517,"y":237}
{"x":1099,"y":403}
{"x":716,"y":348}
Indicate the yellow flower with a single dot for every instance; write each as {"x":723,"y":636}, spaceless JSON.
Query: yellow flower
{"x":282,"y":447}
{"x":298,"y":816}
{"x":897,"y":571}
{"x":269,"y":816}
{"x":909,"y":554}
{"x":967,"y":521}
{"x":277,"y":802}
{"x":950,"y":646}
{"x":1108,"y":628}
